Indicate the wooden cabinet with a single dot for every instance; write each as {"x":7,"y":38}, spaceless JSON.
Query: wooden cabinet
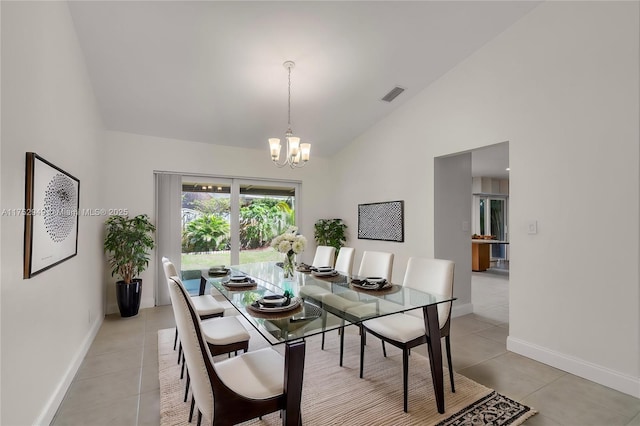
{"x":480,"y":256}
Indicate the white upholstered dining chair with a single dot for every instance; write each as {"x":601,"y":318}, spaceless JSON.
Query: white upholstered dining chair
{"x":206,"y":305}
{"x":407,"y":330}
{"x":240,"y":388}
{"x":222,"y":334}
{"x":325,"y":256}
{"x":376,"y":264}
{"x":344,"y":261}
{"x":373,"y":264}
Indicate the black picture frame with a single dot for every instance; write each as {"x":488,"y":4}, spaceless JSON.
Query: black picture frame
{"x":381,"y":221}
{"x":52,"y":200}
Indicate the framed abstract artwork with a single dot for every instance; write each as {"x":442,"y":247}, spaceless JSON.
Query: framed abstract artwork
{"x":381,"y":221}
{"x":52,"y":199}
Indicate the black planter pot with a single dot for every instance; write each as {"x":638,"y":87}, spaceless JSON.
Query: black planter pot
{"x":128,"y":296}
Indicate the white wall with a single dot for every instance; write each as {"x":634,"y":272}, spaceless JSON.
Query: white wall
{"x":132,"y":186}
{"x":452,"y":222}
{"x":561,"y":85}
{"x":48,"y":107}
{"x":1,"y":180}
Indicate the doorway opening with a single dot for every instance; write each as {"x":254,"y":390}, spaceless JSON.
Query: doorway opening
{"x":471,"y":196}
{"x":490,"y":215}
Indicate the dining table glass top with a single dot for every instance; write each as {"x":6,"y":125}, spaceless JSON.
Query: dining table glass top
{"x":322,"y":303}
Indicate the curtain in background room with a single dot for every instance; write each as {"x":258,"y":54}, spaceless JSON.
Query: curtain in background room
{"x":168,"y":234}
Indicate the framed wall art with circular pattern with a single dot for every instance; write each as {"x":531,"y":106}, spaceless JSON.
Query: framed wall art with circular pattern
{"x":52,"y":201}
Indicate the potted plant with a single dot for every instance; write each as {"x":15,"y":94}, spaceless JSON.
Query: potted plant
{"x":128,"y":242}
{"x":330,"y":232}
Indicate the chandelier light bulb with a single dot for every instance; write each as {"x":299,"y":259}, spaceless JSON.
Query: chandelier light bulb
{"x":274,"y":145}
{"x":294,"y":146}
{"x":305,"y":151}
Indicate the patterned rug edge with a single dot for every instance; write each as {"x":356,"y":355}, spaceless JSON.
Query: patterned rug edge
{"x":485,"y":411}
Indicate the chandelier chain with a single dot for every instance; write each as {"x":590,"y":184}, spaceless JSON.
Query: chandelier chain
{"x":289,"y":101}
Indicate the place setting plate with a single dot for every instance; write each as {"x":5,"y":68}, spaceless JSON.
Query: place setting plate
{"x":303,"y":267}
{"x":275,"y":304}
{"x":324,"y":272}
{"x":371,"y":283}
{"x":218,"y":271}
{"x":239,"y":281}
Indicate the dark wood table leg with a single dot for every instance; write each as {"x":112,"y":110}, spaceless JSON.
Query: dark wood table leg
{"x":435,"y":353}
{"x":293,"y":375}
{"x":341,"y":331}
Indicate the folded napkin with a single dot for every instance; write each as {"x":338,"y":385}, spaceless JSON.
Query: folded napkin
{"x":304,"y":267}
{"x":369,"y":284}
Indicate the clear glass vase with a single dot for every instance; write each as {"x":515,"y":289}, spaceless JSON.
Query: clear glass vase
{"x":288,"y":265}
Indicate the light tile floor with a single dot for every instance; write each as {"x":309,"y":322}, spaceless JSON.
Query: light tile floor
{"x":117,"y":383}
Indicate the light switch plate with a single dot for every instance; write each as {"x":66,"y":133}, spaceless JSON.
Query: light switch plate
{"x":533,"y":227}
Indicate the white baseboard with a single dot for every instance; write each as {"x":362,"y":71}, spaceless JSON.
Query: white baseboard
{"x":50,"y":408}
{"x":585,"y":369}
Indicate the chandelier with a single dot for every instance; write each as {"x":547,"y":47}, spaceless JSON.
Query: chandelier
{"x":297,"y":154}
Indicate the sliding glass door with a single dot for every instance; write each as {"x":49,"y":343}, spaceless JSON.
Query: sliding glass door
{"x":497,"y":225}
{"x":232,"y":221}
{"x":266,"y":209}
{"x":205,"y":222}
{"x":491,"y":219}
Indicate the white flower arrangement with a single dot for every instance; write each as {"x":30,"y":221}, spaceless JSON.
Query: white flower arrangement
{"x":289,"y":242}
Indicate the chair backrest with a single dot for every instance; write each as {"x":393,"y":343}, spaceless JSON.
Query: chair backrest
{"x":325,"y":256}
{"x":169,"y":268}
{"x":432,"y":276}
{"x":376,"y":264}
{"x":203,"y":285}
{"x":344,"y":261}
{"x":196,"y":352}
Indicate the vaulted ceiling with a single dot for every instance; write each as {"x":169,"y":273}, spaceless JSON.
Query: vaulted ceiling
{"x":212,"y":71}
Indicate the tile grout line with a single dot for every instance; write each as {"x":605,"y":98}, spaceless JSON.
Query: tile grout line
{"x":506,"y":351}
{"x":542,"y":387}
{"x":144,"y":338}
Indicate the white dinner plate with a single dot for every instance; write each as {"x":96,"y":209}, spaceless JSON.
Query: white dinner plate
{"x":325,"y":274}
{"x":247,"y":282}
{"x":294,"y":303}
{"x":366,"y":286}
{"x":274,"y":300}
{"x":238,"y":278}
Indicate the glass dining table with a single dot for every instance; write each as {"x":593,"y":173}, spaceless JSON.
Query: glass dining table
{"x":323,"y":303}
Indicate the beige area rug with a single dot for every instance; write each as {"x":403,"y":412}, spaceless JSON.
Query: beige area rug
{"x":334,"y":395}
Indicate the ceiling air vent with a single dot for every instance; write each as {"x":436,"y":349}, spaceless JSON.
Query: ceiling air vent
{"x":393,"y":94}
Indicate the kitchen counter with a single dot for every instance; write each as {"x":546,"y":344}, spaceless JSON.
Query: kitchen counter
{"x":481,"y":253}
